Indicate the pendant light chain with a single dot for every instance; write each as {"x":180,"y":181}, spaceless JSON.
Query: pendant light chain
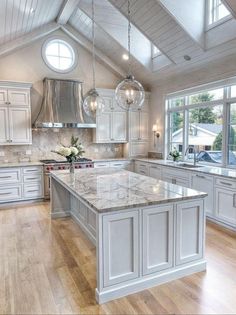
{"x":129,"y":37}
{"x":93,"y":36}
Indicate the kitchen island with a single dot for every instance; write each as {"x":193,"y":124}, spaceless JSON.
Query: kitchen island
{"x":146,"y":231}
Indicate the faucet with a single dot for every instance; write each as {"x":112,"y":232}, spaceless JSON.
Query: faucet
{"x":195,"y":160}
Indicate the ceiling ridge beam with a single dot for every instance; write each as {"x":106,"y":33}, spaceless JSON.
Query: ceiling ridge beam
{"x":87,"y":44}
{"x":28,"y":38}
{"x":66,"y":11}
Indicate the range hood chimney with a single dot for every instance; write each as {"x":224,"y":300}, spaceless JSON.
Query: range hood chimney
{"x":62,"y":106}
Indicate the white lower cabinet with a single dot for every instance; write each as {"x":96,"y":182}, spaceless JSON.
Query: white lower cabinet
{"x":158,"y":238}
{"x":189,"y":232}
{"x":155,"y":171}
{"x":205,"y":183}
{"x":226,"y":204}
{"x":121,"y":247}
{"x":10,"y":193}
{"x":21,"y":183}
{"x":85,"y":216}
{"x":141,"y":168}
{"x":176,"y":177}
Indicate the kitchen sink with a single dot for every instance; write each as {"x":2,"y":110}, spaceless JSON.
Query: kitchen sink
{"x":186,"y":165}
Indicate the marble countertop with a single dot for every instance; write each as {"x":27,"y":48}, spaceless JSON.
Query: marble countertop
{"x":111,"y":189}
{"x":220,"y":171}
{"x":19,"y":164}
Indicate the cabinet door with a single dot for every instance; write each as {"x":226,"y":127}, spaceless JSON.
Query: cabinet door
{"x":226,"y":204}
{"x":119,"y":126}
{"x":144,"y":126}
{"x":205,"y":184}
{"x":4,"y":126}
{"x":103,"y":131}
{"x":189,"y":234}
{"x":155,"y":171}
{"x":18,"y":97}
{"x":158,"y":237}
{"x":121,"y":247}
{"x":134,"y":126}
{"x":3,"y":96}
{"x":19,"y":125}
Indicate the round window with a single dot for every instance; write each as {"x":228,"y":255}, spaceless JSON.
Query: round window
{"x":59,"y":55}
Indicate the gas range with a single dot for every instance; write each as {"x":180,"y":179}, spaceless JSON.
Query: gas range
{"x":53,"y":165}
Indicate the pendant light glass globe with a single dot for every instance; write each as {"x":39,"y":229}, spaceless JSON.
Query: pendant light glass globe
{"x":129,"y":93}
{"x":93,"y":103}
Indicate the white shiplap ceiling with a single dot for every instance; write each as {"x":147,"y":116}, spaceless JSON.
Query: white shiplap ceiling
{"x":22,"y":21}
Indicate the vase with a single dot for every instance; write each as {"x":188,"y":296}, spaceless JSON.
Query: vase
{"x":72,"y":167}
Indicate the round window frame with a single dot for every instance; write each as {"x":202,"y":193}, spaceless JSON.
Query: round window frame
{"x":69,"y":45}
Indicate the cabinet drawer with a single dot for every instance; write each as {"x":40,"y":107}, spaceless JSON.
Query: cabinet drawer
{"x":33,"y":191}
{"x":10,"y":176}
{"x":32,"y":170}
{"x":225,"y":182}
{"x":119,"y":164}
{"x":98,"y":164}
{"x":12,"y":193}
{"x":175,"y":173}
{"x":32,"y":178}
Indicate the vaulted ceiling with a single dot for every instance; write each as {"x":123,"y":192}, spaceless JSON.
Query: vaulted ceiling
{"x":176,"y":28}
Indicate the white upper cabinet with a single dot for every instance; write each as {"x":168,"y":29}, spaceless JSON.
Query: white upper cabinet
{"x":18,"y":97}
{"x":119,"y":126}
{"x":3,"y":96}
{"x":15,"y":114}
{"x":19,"y":125}
{"x":111,"y":123}
{"x":138,"y":126}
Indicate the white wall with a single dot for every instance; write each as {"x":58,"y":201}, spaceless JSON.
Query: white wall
{"x":27,"y":65}
{"x":215,"y":71}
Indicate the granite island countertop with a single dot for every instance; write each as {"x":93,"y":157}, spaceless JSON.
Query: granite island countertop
{"x":111,"y":189}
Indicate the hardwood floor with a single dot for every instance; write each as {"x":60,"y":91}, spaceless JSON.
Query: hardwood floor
{"x":48,"y":267}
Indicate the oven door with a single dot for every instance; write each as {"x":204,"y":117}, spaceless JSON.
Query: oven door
{"x":47,"y":185}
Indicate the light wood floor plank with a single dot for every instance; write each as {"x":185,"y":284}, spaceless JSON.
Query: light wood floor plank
{"x":49,"y":267}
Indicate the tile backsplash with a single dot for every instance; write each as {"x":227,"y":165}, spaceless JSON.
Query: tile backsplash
{"x":46,"y":140}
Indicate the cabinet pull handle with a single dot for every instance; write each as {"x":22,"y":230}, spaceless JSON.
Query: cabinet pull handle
{"x":9,"y":193}
{"x":32,"y":190}
{"x":32,"y":178}
{"x":3,"y":177}
{"x":234,"y":200}
{"x":200,"y":176}
{"x":225,"y":183}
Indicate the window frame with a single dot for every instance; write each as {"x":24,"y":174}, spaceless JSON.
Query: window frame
{"x":208,"y":25}
{"x":225,"y":102}
{"x":66,"y":43}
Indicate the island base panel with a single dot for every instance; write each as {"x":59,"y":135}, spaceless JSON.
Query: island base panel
{"x":141,"y":247}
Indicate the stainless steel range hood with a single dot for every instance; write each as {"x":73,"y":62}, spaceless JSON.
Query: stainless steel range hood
{"x":62,"y":106}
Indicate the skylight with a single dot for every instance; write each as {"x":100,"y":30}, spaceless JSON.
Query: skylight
{"x":217,"y":12}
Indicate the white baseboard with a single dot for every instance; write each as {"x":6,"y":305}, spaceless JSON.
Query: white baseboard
{"x":56,"y":215}
{"x":148,"y":282}
{"x":223,"y":224}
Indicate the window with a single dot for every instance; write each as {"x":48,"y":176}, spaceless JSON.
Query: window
{"x":216,"y":11}
{"x":204,"y":120}
{"x":59,"y":55}
{"x":155,"y":51}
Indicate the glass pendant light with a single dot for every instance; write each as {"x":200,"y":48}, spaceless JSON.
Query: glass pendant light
{"x":93,"y":103}
{"x":129,"y":92}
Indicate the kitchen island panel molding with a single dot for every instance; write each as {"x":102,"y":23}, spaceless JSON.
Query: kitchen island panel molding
{"x":122,"y":235}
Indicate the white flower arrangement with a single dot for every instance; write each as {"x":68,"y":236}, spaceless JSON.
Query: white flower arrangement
{"x":73,"y":152}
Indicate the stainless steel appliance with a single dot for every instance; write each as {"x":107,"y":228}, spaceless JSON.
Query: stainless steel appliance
{"x":53,"y":165}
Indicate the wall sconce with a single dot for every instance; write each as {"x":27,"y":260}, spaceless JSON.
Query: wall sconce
{"x":156,"y":134}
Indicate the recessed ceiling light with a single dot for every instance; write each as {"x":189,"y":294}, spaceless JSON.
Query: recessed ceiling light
{"x":125,"y":57}
{"x":187,"y":57}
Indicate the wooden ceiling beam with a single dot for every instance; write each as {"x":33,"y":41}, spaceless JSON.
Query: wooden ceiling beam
{"x":67,"y":9}
{"x":87,"y":44}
